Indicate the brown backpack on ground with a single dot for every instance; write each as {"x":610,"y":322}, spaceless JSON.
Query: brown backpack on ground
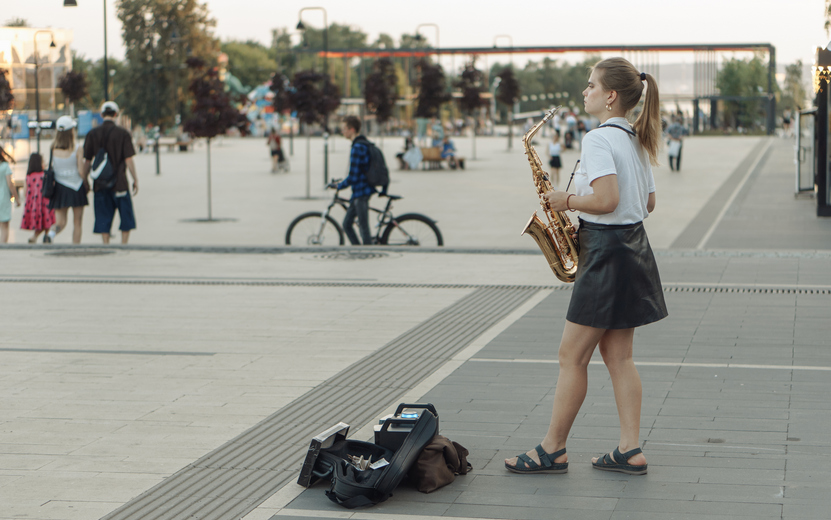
{"x":438,"y":464}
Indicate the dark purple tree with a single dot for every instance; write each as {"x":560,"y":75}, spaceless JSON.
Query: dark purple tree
{"x":281,"y":87}
{"x":472,"y":85}
{"x":73,"y":85}
{"x":213,"y":113}
{"x":313,"y":96}
{"x":381,"y":90}
{"x":432,"y":89}
{"x":6,"y":96}
{"x":507,"y":93}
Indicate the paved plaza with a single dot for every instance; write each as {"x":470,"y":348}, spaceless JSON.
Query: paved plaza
{"x":182,"y":376}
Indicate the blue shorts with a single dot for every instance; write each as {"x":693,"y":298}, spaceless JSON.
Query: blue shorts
{"x":106,"y":203}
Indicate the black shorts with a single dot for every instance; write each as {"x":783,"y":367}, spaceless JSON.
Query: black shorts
{"x":555,"y":162}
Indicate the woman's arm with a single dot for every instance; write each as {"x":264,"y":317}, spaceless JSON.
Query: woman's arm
{"x":12,"y":189}
{"x":650,"y":202}
{"x":604,"y":199}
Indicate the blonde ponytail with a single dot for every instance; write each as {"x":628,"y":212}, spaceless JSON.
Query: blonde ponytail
{"x":622,"y":77}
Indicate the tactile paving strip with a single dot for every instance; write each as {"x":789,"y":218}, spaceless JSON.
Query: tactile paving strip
{"x":236,"y":477}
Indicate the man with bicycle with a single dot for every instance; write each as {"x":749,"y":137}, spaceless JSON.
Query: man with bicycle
{"x":361,"y":189}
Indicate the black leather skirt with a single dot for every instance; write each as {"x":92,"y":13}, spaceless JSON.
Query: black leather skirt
{"x":617,"y":285}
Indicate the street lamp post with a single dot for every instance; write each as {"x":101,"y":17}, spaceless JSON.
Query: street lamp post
{"x":37,"y":85}
{"x":419,"y":26}
{"x":301,"y":27}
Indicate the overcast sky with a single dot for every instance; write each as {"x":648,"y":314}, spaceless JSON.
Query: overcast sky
{"x":794,"y":27}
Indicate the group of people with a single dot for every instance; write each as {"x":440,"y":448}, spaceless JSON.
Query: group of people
{"x":71,"y":165}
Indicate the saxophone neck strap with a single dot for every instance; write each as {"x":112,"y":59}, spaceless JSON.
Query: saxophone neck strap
{"x":628,"y":131}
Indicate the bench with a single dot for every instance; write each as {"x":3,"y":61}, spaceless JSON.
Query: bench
{"x":172,"y":142}
{"x":432,"y":159}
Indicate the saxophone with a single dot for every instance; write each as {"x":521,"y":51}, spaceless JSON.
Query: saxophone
{"x":558,"y":247}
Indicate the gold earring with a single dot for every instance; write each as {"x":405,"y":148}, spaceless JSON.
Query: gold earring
{"x":608,"y":108}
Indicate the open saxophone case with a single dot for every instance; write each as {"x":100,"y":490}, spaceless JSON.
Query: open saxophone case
{"x":356,"y":483}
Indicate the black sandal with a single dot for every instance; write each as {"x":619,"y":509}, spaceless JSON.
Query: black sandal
{"x":546,"y":459}
{"x":608,"y":462}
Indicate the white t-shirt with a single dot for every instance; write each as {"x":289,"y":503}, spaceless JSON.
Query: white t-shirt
{"x":554,"y":149}
{"x":612,"y":151}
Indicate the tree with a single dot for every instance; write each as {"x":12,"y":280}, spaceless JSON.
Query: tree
{"x":281,"y":86}
{"x":793,"y":93}
{"x":432,"y":89}
{"x":73,"y":84}
{"x":314,"y":97}
{"x":471,"y":83}
{"x":249,"y":61}
{"x":507,"y":93}
{"x":381,"y":90}
{"x":743,"y":79}
{"x":17,"y":22}
{"x":159,"y":35}
{"x":213,"y":112}
{"x":6,"y":96}
{"x":94,"y":73}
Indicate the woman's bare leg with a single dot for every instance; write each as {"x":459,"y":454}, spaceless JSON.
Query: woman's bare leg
{"x":77,"y":224}
{"x":60,"y":220}
{"x":576,"y":350}
{"x":4,"y":232}
{"x":616,"y":349}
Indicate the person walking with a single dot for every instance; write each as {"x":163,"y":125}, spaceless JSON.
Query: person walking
{"x":617,"y":286}
{"x":278,"y":160}
{"x":554,"y":150}
{"x":70,"y":188}
{"x":118,"y":144}
{"x":37,"y":216}
{"x":8,"y":194}
{"x":361,"y":189}
{"x":676,"y":133}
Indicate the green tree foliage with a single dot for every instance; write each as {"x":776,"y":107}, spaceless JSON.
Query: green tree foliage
{"x":249,"y":61}
{"x":17,"y":22}
{"x":744,"y":78}
{"x":159,"y":35}
{"x":381,"y":90}
{"x":432,"y":89}
{"x":93,"y":71}
{"x":793,"y":92}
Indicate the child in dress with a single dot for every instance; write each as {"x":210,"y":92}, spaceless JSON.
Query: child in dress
{"x":7,"y":195}
{"x":36,"y":214}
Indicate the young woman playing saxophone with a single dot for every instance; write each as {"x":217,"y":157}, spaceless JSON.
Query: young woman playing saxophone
{"x":617,"y":286}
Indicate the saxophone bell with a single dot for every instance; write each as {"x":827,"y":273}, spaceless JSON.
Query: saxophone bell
{"x":554,"y":239}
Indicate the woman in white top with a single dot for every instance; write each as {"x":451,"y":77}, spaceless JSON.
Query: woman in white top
{"x":617,"y":286}
{"x":70,"y":188}
{"x":554,"y":150}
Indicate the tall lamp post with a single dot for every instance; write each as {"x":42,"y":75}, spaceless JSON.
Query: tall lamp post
{"x":37,"y":85}
{"x":73,"y":3}
{"x":301,"y":27}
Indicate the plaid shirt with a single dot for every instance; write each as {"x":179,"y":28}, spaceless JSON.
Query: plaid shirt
{"x":358,"y":166}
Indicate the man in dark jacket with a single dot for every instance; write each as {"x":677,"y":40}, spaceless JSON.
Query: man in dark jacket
{"x":119,"y":146}
{"x":361,"y":189}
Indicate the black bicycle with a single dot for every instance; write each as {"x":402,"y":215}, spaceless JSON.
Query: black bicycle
{"x":320,"y":229}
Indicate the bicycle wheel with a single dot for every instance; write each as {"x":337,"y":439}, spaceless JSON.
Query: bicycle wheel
{"x":309,"y":229}
{"x":412,"y":229}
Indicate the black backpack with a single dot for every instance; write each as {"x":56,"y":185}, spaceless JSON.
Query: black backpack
{"x":378,"y":175}
{"x":103,"y":171}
